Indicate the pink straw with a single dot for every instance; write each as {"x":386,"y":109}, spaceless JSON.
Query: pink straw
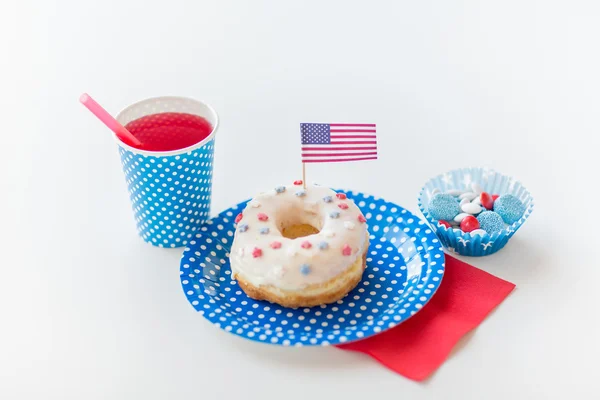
{"x":119,"y":130}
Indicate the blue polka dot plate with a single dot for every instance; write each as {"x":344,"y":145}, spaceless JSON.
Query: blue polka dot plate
{"x":405,"y":266}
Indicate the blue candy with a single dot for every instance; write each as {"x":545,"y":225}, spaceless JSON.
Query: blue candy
{"x":490,"y":221}
{"x":327,"y":199}
{"x":301,"y":193}
{"x":510,"y":208}
{"x":305,"y":269}
{"x":443,"y":207}
{"x":323,"y":245}
{"x":243,"y":227}
{"x":280,"y":189}
{"x":334,"y":214}
{"x":264,"y":231}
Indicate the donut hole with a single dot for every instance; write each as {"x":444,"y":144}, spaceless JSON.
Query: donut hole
{"x":298,"y":230}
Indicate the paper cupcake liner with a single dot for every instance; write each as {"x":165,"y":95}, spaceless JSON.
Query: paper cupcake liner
{"x":493,"y":182}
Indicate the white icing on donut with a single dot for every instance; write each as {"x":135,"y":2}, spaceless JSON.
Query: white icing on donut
{"x":283,"y":262}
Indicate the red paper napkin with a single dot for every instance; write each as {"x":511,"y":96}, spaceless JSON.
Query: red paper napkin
{"x":417,"y":347}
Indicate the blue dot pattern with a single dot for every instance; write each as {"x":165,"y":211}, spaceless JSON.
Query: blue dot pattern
{"x":405,"y":265}
{"x":170,"y":195}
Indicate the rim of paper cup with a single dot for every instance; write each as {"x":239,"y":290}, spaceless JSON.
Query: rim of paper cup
{"x":169,"y":152}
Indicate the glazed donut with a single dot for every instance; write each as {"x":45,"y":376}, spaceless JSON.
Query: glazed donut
{"x":299,"y":247}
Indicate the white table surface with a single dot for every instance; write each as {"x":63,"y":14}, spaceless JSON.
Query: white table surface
{"x":89,"y":311}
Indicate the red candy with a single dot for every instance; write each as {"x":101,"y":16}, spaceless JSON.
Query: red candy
{"x":275,"y":245}
{"x":262,"y":217}
{"x":239,"y":217}
{"x":343,"y":206}
{"x":495,"y":196}
{"x":340,"y":196}
{"x":306,"y":245}
{"x":444,"y":223}
{"x":469,"y":224}
{"x":298,"y":182}
{"x":486,"y":200}
{"x":346,"y":250}
{"x":256,"y":252}
{"x":362,"y":219}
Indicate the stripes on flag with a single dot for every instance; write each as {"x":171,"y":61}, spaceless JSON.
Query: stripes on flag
{"x":338,"y":142}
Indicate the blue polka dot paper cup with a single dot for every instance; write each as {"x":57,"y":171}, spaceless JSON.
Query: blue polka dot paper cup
{"x":170,"y":191}
{"x":492,"y":182}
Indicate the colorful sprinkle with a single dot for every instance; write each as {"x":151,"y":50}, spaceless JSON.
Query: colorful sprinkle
{"x":327,"y":199}
{"x":346,"y":250}
{"x":362,"y":219}
{"x":255,"y":204}
{"x":305,"y":269}
{"x":340,"y":196}
{"x":275,"y":244}
{"x":298,"y":182}
{"x":243,"y":227}
{"x":256,"y":252}
{"x":323,"y":245}
{"x":349,"y":225}
{"x":306,"y":245}
{"x":264,"y":231}
{"x":280,"y":189}
{"x":343,"y":206}
{"x":301,"y":193}
{"x":328,"y":233}
{"x":334,"y":214}
{"x":262,"y":217}
{"x":239,"y":217}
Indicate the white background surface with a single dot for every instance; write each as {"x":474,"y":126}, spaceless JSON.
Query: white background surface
{"x":89,"y":311}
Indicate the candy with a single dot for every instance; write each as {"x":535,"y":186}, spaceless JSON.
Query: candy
{"x":475,"y":187}
{"x":454,"y":192}
{"x":444,"y":223}
{"x":340,"y":196}
{"x":262,"y":217}
{"x":480,"y":232}
{"x":443,"y":207}
{"x":469,"y":196}
{"x":323,"y":245}
{"x":280,"y":189}
{"x":495,"y":196}
{"x":275,"y":245}
{"x":256,"y":252}
{"x":327,"y":199}
{"x":349,"y":225}
{"x":334,"y":214}
{"x":490,"y":222}
{"x":239,"y":217}
{"x":487,"y":201}
{"x":306,"y":245}
{"x":243,"y":228}
{"x":343,"y":206}
{"x":361,"y":219}
{"x":305,"y":269}
{"x":298,"y":182}
{"x":471,"y":208}
{"x":469,"y":224}
{"x":346,"y":250}
{"x":264,"y":231}
{"x":460,"y":217}
{"x":464,"y":201}
{"x":509,"y":207}
{"x":301,"y":193}
{"x":255,"y":204}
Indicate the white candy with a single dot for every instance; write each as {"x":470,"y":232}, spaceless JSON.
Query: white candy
{"x":477,"y":200}
{"x":476,"y":188}
{"x":471,"y":208}
{"x":464,"y":201}
{"x":435,"y":191}
{"x":349,"y":225}
{"x":478,"y":232}
{"x":454,"y":192}
{"x":469,"y":195}
{"x":460,"y":217}
{"x":255,"y":204}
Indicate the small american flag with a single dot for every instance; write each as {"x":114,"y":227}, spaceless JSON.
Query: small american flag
{"x":338,"y":142}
